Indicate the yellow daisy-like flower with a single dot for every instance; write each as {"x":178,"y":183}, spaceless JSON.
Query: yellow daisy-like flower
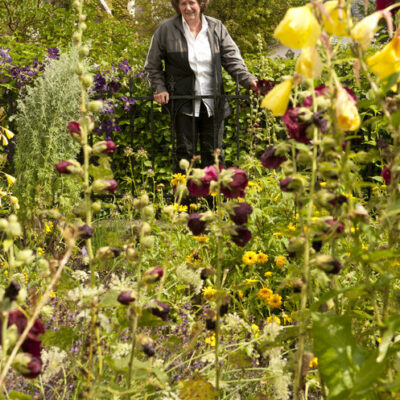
{"x":210,"y":340}
{"x":274,"y":301}
{"x":194,"y":256}
{"x":209,"y":292}
{"x":268,"y":274}
{"x":291,"y":227}
{"x":256,"y":330}
{"x":178,"y":179}
{"x":262,"y":258}
{"x":273,"y":319}
{"x":180,"y":207}
{"x":194,"y":207}
{"x":53,"y":293}
{"x":314,"y":363}
{"x":264,"y":294}
{"x":277,"y":234}
{"x":280,"y":261}
{"x":249,"y":258}
{"x":201,"y":239}
{"x":364,"y":247}
{"x":40,"y":251}
{"x":287,"y":319}
{"x":48,"y":227}
{"x":251,"y":281}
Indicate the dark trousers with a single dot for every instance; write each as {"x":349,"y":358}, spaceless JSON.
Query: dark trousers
{"x":209,"y":132}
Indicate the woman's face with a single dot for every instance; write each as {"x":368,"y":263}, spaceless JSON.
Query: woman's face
{"x":190,"y":10}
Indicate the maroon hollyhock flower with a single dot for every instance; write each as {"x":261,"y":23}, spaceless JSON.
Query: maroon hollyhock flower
{"x":31,"y":343}
{"x":74,"y":128}
{"x":156,"y":273}
{"x":386,"y":174}
{"x":62,"y":167}
{"x":112,"y":185}
{"x":126,"y":297}
{"x":239,"y":182}
{"x":338,"y":200}
{"x":295,"y":127}
{"x":35,"y":368}
{"x":285,"y":185}
{"x":85,"y":231}
{"x":264,"y":86}
{"x":338,"y":225}
{"x":241,"y":213}
{"x":104,"y":147}
{"x":242,"y":237}
{"x":160,"y":310}
{"x":270,"y":160}
{"x":202,"y":190}
{"x":195,"y":224}
{"x":382,"y":4}
{"x":319,"y":91}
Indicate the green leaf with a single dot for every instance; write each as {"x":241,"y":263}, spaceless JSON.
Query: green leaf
{"x":148,"y":319}
{"x":197,"y":389}
{"x":239,"y":359}
{"x":110,"y":299}
{"x":119,"y":364}
{"x":63,"y":338}
{"x":101,"y":171}
{"x":17,"y":395}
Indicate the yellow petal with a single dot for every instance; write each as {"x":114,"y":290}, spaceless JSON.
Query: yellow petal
{"x":346,"y":111}
{"x":365,"y":29}
{"x":10,"y":179}
{"x":337,"y":23}
{"x":299,"y":28}
{"x":4,"y":140}
{"x":309,"y":63}
{"x":8,"y":133}
{"x":277,"y":99}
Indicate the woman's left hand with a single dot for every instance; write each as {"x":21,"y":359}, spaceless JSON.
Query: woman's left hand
{"x":253,"y":85}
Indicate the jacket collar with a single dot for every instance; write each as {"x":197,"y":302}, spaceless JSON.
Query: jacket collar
{"x":178,"y":23}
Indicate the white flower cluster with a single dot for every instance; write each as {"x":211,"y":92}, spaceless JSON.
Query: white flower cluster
{"x":191,"y":277}
{"x":121,"y":350}
{"x":54,"y":360}
{"x":79,"y":275}
{"x":84,"y":295}
{"x":120,"y":283}
{"x":103,"y":320}
{"x":234,"y":324}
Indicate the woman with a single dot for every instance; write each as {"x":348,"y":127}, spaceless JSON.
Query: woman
{"x":194,"y":47}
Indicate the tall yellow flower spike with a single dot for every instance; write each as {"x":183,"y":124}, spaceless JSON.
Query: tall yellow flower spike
{"x":299,"y":28}
{"x":337,"y":23}
{"x":387,"y":61}
{"x":346,"y":111}
{"x":277,"y":99}
{"x":365,"y":29}
{"x":309,"y":63}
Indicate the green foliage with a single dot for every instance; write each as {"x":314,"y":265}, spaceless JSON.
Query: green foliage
{"x":43,"y":139}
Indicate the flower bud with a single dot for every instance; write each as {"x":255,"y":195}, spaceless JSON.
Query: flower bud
{"x":96,"y":206}
{"x":70,"y":167}
{"x":76,"y":38}
{"x":131,"y":253}
{"x":196,"y":224}
{"x":160,"y":309}
{"x":153,"y":275}
{"x":75,"y":130}
{"x":184,"y":164}
{"x":207,"y":272}
{"x":296,"y":245}
{"x":82,"y":26}
{"x":27,"y":365}
{"x":105,"y":253}
{"x":87,"y":80}
{"x":359,"y":213}
{"x":146,"y":228}
{"x":224,"y":305}
{"x":169,"y":211}
{"x":182,"y":218}
{"x":148,"y":212}
{"x":181,"y":191}
{"x":104,"y":147}
{"x":147,"y":344}
{"x":82,"y":17}
{"x":144,"y":200}
{"x":14,"y":227}
{"x":3,"y":224}
{"x":12,"y":291}
{"x":95,"y":106}
{"x":297,"y":285}
{"x":83,"y":51}
{"x":85,"y":231}
{"x":328,"y":264}
{"x":127,"y":297}
{"x":147,"y":241}
{"x":44,"y":268}
{"x":100,"y":186}
{"x":25,"y":256}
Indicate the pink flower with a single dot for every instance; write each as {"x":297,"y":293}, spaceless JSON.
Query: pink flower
{"x":74,"y":127}
{"x":386,"y":174}
{"x":236,"y":187}
{"x":270,"y":160}
{"x":62,"y":167}
{"x":202,"y":190}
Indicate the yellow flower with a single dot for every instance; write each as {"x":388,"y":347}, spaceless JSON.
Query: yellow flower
{"x":178,"y":179}
{"x":275,"y":301}
{"x":240,"y":294}
{"x":53,"y":293}
{"x":322,"y":184}
{"x":387,"y":61}
{"x":277,"y":99}
{"x":251,"y":281}
{"x":365,"y":29}
{"x":194,"y":207}
{"x":314,"y":363}
{"x":256,"y":330}
{"x":277,"y":234}
{"x":268,"y":274}
{"x":276,"y":197}
{"x":210,"y":340}
{"x":280,"y":261}
{"x":262,"y":258}
{"x":395,"y":264}
{"x":194,"y":256}
{"x":252,"y":184}
{"x":14,"y":200}
{"x":287,"y":319}
{"x":298,"y":28}
{"x":364,"y":247}
{"x":264,"y":294}
{"x":40,"y":251}
{"x":249,"y":258}
{"x":209,"y":292}
{"x":336,"y":24}
{"x":6,"y":272}
{"x":4,"y":264}
{"x":379,"y":340}
{"x":274,"y":319}
{"x":309,"y":63}
{"x":346,"y":111}
{"x":26,"y":277}
{"x":10,"y":179}
{"x":5,"y":134}
{"x":180,"y":207}
{"x":200,"y":239}
{"x":48,"y":227}
{"x":291,"y":227}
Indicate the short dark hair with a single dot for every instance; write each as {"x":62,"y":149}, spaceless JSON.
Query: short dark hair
{"x":202,"y":3}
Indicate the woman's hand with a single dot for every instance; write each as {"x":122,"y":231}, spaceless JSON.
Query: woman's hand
{"x":253,"y":86}
{"x":162,"y":97}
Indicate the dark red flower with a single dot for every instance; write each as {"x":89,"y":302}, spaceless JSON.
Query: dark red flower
{"x":126,"y":297}
{"x":382,"y":4}
{"x":264,"y":86}
{"x":202,"y":190}
{"x":239,"y":182}
{"x":74,"y":127}
{"x":85,"y":231}
{"x":319,"y":91}
{"x":112,"y":185}
{"x":386,"y":174}
{"x":195,"y":224}
{"x":34,"y":367}
{"x":104,"y":147}
{"x":156,"y":273}
{"x":338,"y":200}
{"x":62,"y":167}
{"x":338,"y":225}
{"x":241,"y":213}
{"x":270,"y":160}
{"x":160,"y":310}
{"x":242,"y":236}
{"x":12,"y":291}
{"x":285,"y":185}
{"x":296,"y":128}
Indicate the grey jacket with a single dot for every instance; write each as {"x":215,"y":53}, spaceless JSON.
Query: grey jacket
{"x":169,"y":45}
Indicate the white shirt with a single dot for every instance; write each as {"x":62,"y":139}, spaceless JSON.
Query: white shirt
{"x":200,"y":60}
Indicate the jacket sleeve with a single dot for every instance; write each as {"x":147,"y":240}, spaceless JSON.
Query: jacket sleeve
{"x":232,"y":61}
{"x":154,"y":66}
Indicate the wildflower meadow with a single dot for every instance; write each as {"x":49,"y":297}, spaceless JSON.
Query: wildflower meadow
{"x":273,"y":276}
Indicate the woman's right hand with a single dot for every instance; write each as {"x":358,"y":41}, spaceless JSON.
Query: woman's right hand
{"x":161,"y":98}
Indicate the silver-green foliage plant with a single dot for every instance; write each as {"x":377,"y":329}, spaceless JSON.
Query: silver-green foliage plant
{"x":43,"y":138}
